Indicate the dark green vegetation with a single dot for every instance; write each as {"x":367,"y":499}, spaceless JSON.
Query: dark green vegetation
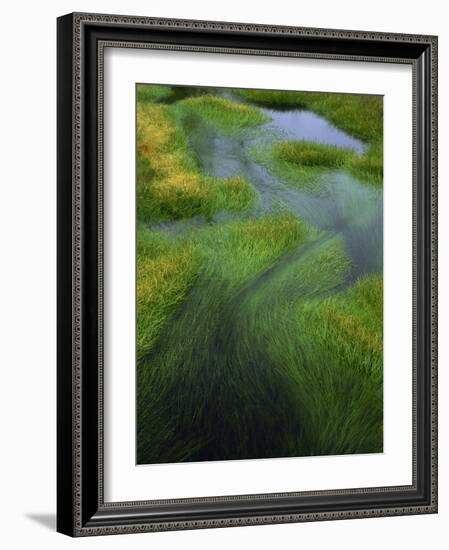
{"x":254,"y":337}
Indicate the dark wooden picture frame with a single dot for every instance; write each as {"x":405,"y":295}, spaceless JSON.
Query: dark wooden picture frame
{"x":81,"y":510}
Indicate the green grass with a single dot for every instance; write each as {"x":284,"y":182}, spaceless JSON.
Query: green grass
{"x":329,"y":348}
{"x":278,"y":160}
{"x":276,"y":99}
{"x":250,"y":343}
{"x":188,"y":386}
{"x":369,"y":166}
{"x":310,"y":154}
{"x":340,"y":355}
{"x":220,"y":383}
{"x":359,"y":115}
{"x":222,"y":113}
{"x":166,"y":270}
{"x":303,"y":163}
{"x":153,"y":93}
{"x":167,"y":266}
{"x":235,"y":252}
{"x":170,"y":185}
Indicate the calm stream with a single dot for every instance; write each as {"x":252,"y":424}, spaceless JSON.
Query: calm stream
{"x":344,"y":204}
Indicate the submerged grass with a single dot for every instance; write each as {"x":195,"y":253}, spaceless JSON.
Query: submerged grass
{"x":192,"y":391}
{"x":220,"y":383}
{"x":369,"y":166}
{"x":340,"y":354}
{"x":169,"y":183}
{"x":330,"y":347}
{"x":167,"y":266}
{"x":166,"y":269}
{"x":250,"y":344}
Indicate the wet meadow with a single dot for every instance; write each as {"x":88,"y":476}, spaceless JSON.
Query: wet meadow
{"x":259,"y":274}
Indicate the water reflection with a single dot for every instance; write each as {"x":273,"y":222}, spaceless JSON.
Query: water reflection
{"x":306,"y":125}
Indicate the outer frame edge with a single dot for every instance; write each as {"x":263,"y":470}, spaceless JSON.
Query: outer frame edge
{"x":65,"y":467}
{"x":78,"y":20}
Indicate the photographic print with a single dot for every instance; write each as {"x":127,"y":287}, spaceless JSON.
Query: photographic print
{"x":259,"y":273}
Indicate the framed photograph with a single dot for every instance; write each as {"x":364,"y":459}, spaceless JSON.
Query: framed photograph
{"x":247,"y":249}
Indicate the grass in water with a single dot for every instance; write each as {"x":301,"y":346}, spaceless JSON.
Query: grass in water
{"x":253,"y":341}
{"x":303,"y":163}
{"x":310,"y":154}
{"x":359,"y":115}
{"x":166,"y":270}
{"x":191,"y":387}
{"x":170,"y":185}
{"x":340,"y":353}
{"x":222,"y":113}
{"x":221,"y":384}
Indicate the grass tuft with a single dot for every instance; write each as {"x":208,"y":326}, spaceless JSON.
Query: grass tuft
{"x":302,"y":163}
{"x":307,"y":153}
{"x":170,"y":185}
{"x":222,"y":113}
{"x":166,"y":270}
{"x":336,"y":366}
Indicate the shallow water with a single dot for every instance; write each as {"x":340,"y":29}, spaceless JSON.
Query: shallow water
{"x":343,"y":205}
{"x":306,"y":125}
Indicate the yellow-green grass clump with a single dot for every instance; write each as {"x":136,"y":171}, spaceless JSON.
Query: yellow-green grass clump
{"x":336,"y":367}
{"x":166,"y":269}
{"x":347,"y":329}
{"x":357,"y":318}
{"x":223,"y":113}
{"x":307,"y":154}
{"x":169,"y":183}
{"x":350,"y":325}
